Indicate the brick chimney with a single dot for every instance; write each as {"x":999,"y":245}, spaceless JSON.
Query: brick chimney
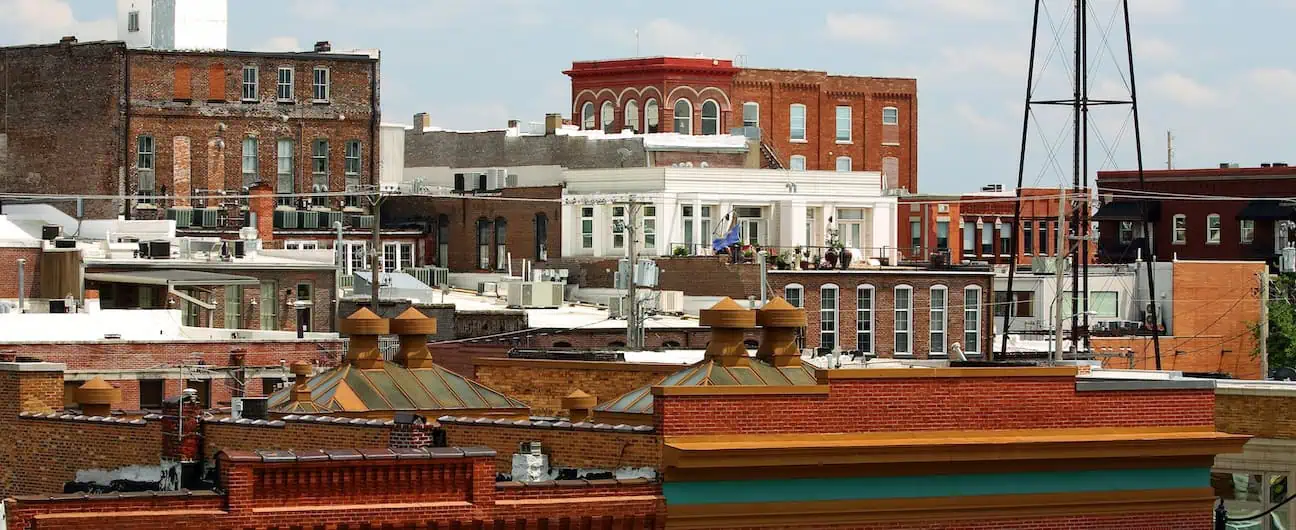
{"x":728,"y":321}
{"x":96,"y":397}
{"x":579,"y":405}
{"x":70,"y":39}
{"x":363,"y":328}
{"x":779,"y":323}
{"x":262,"y":206}
{"x":513,"y":124}
{"x":181,"y":440}
{"x":413,"y":328}
{"x":553,"y":122}
{"x":323,"y":46}
{"x":411,"y":431}
{"x":422,"y":121}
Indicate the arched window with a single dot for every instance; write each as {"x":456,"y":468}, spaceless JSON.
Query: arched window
{"x":541,"y":237}
{"x":936,"y":320}
{"x":631,"y":116}
{"x":794,"y":293}
{"x":828,"y":316}
{"x":607,"y":116}
{"x":501,"y":252}
{"x":651,"y":116}
{"x":864,"y":301}
{"x":587,"y":116}
{"x":683,"y":117}
{"x":972,"y":319}
{"x":443,"y":240}
{"x":903,"y":320}
{"x":483,"y":244}
{"x":562,"y":344}
{"x":710,"y":117}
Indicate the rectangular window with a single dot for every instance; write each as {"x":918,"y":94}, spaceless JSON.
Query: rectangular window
{"x":1180,"y":235}
{"x":797,"y":163}
{"x":216,"y":82}
{"x":618,"y":226}
{"x":1213,"y":230}
{"x":843,"y":163}
{"x":358,"y":256}
{"x":284,"y":86}
{"x":152,"y":392}
{"x":751,"y":114}
{"x":843,"y":124}
{"x":233,"y":307}
{"x":795,"y":295}
{"x":1125,"y":233}
{"x":351,"y":168}
{"x":1246,"y":227}
{"x":972,"y":320}
{"x":1043,"y":238}
{"x":406,"y":258}
{"x":936,"y":320}
{"x":890,"y":116}
{"x":144,"y":164}
{"x":864,"y":319}
{"x":284,"y":168}
{"x":1103,"y":304}
{"x":1005,"y":239}
{"x":320,"y":85}
{"x":650,"y":227}
{"x":706,"y":226}
{"x":904,"y":320}
{"x":250,"y":162}
{"x":132,"y":21}
{"x":828,"y":317}
{"x":305,"y":292}
{"x":587,"y":227}
{"x":1022,"y":304}
{"x":319,"y":170}
{"x":915,"y":237}
{"x":687,"y":214}
{"x":269,"y":305}
{"x":942,"y":235}
{"x":987,"y":239}
{"x":390,"y":257}
{"x":1028,"y":239}
{"x":969,"y":237}
{"x":797,"y":122}
{"x":183,"y":83}
{"x":250,"y":83}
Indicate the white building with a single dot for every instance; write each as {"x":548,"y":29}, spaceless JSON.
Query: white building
{"x":689,"y":207}
{"x":174,"y":24}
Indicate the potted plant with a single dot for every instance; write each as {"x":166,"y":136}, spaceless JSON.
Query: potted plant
{"x":784,"y":260}
{"x":680,"y":251}
{"x":748,"y":253}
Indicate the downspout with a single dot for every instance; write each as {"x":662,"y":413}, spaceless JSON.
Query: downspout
{"x":374,"y":119}
{"x":126,"y":127}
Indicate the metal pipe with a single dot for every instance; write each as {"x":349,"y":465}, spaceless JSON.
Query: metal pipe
{"x":339,"y":269}
{"x":22,"y":265}
{"x":1138,"y":150}
{"x":764,"y":280}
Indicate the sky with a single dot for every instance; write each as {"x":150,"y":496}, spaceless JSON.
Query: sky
{"x":1218,"y":73}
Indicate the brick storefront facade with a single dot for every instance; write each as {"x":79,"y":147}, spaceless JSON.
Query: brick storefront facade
{"x":950,"y":223}
{"x":528,"y":218}
{"x":871,"y":142}
{"x":884,"y":283}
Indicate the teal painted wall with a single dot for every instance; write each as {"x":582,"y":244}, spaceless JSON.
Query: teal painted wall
{"x":907,"y":487}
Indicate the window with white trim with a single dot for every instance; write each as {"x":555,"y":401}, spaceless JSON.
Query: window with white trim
{"x":864,"y":318}
{"x":250,"y":83}
{"x":483,"y":244}
{"x":969,"y":237}
{"x":649,"y":227}
{"x":351,"y":170}
{"x":250,"y":161}
{"x":301,"y":245}
{"x":132,"y":21}
{"x":501,"y":246}
{"x":1028,"y":239}
{"x":844,"y":163}
{"x":145,"y":156}
{"x":618,"y":226}
{"x":587,"y":227}
{"x":631,"y":116}
{"x":710,"y":117}
{"x":1246,"y":229}
{"x":843,"y":124}
{"x":652,"y":117}
{"x":683,"y":117}
{"x":284,"y":85}
{"x":686,"y":212}
{"x":903,"y":320}
{"x":797,"y":122}
{"x":828,"y":316}
{"x":607,"y":116}
{"x":320,"y":86}
{"x":357,"y":256}
{"x":797,"y":163}
{"x":972,"y":319}
{"x":587,"y":116}
{"x":936,"y":319}
{"x":1213,"y":229}
{"x":319,"y":170}
{"x":890,"y":116}
{"x":794,"y":293}
{"x":751,"y":114}
{"x":284,"y":170}
{"x":1179,"y":232}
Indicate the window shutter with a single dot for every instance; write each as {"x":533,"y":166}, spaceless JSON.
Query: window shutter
{"x":216,"y":82}
{"x":183,"y":83}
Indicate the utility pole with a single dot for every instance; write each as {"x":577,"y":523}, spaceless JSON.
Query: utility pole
{"x":633,"y":334}
{"x":1264,"y":324}
{"x":375,"y":253}
{"x":1169,"y":150}
{"x":1062,"y":251}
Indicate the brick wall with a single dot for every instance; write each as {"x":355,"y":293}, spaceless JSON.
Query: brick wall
{"x":668,"y":158}
{"x":1266,"y":416}
{"x":9,"y":257}
{"x":883,"y":313}
{"x":695,"y":276}
{"x":117,"y":355}
{"x":294,"y":435}
{"x":205,"y":130}
{"x":1199,"y":520}
{"x":461,"y":215}
{"x":62,"y":132}
{"x":935,"y":404}
{"x":542,"y":384}
{"x":578,"y":448}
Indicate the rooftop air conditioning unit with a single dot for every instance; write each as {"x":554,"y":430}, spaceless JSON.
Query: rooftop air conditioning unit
{"x":330,"y":219}
{"x":209,"y":217}
{"x":535,"y":295}
{"x":183,"y":217}
{"x":487,"y":289}
{"x":496,"y":178}
{"x":310,"y":220}
{"x":670,"y":302}
{"x":616,"y":307}
{"x":286,"y":219}
{"x":362,"y":221}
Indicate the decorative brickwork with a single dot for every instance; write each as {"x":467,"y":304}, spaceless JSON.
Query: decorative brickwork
{"x":542,"y":384}
{"x":583,"y":447}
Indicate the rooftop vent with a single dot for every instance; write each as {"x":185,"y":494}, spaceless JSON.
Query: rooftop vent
{"x":992,"y":187}
{"x":1265,"y":164}
{"x":323,"y":46}
{"x":70,"y":39}
{"x":1279,"y":164}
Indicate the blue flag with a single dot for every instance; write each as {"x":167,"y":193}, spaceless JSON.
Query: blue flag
{"x":728,"y":240}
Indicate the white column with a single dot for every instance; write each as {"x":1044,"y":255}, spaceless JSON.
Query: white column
{"x":703,"y":240}
{"x":668,"y":219}
{"x":883,"y":221}
{"x":829,"y":212}
{"x":792,"y":223}
{"x":571,"y":236}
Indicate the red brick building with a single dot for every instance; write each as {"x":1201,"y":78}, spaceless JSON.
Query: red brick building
{"x":1257,"y":226}
{"x":97,"y":118}
{"x":892,"y":312}
{"x":804,"y":119}
{"x":978,"y":226}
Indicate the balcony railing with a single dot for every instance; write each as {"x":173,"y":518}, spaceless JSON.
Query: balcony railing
{"x":803,"y":257}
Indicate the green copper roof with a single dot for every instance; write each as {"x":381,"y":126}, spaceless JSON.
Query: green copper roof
{"x":708,"y":373}
{"x":348,"y":389}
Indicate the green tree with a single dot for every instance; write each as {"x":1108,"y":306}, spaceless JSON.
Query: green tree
{"x":1282,"y":323}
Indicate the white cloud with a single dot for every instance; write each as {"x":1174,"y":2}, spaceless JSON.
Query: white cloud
{"x":1140,"y":10}
{"x":46,"y":21}
{"x":966,"y":9}
{"x":861,"y":27}
{"x":981,"y":58}
{"x":280,"y":44}
{"x":1272,"y":81}
{"x":1153,"y":49}
{"x":663,"y":36}
{"x":1184,"y":90}
{"x":980,"y":123}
